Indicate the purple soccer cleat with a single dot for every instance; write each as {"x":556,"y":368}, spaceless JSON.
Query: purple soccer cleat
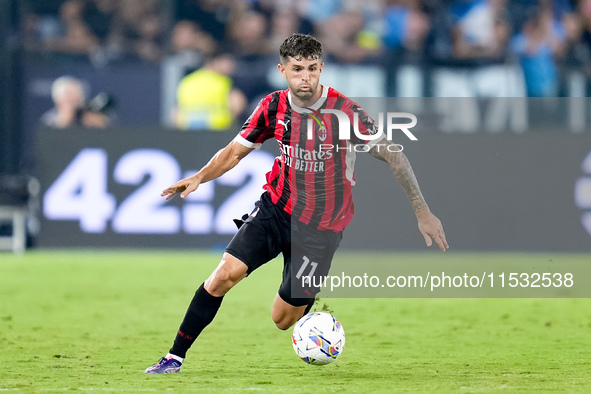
{"x":165,"y":365}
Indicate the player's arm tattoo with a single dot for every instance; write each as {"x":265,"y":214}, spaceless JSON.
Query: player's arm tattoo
{"x":402,"y":171}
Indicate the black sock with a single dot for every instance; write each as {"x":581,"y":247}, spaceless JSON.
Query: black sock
{"x":201,"y":311}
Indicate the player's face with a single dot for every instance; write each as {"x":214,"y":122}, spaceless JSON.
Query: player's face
{"x":303,"y":78}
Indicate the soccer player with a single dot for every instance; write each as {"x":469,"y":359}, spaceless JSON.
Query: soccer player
{"x":307,"y":200}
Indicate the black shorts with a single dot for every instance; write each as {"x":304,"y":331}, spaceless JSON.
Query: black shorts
{"x":307,"y":251}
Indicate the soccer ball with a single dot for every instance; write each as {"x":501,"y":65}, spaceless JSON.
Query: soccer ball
{"x":318,"y":338}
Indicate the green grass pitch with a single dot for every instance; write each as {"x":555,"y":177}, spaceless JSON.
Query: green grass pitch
{"x":94,"y":320}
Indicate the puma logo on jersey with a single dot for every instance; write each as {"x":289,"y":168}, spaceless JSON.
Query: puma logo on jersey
{"x":284,"y":124}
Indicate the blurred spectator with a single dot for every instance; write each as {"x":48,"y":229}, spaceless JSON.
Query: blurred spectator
{"x":345,"y":39}
{"x":248,"y":35}
{"x":206,"y":98}
{"x":149,"y":45}
{"x":31,"y":31}
{"x":283,"y":16}
{"x":284,"y":23}
{"x":373,"y":11}
{"x":405,"y":25}
{"x":106,"y":30}
{"x":481,"y":29}
{"x":576,"y":52}
{"x":188,"y":39}
{"x":77,"y":38}
{"x":189,"y":46}
{"x":573,"y":27}
{"x":249,"y":43}
{"x":404,"y":33}
{"x":585,"y":12}
{"x":211,"y":15}
{"x":542,"y":40}
{"x":70,"y":106}
{"x":266,"y":7}
{"x":99,"y":16}
{"x":585,"y":47}
{"x":320,"y":11}
{"x":137,"y":29}
{"x":560,"y":7}
{"x":40,"y":22}
{"x":518,"y":13}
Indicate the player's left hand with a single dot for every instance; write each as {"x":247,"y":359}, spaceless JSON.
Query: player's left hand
{"x":432,"y":229}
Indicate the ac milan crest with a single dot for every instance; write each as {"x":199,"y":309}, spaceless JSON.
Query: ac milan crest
{"x":319,"y":119}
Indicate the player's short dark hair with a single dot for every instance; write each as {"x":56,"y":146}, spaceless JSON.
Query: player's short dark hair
{"x":300,"y":46}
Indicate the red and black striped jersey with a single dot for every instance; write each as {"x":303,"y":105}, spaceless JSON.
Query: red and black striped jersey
{"x":313,"y":177}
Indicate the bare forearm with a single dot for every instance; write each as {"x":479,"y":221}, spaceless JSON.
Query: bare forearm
{"x":404,"y":174}
{"x":219,"y":164}
{"x":223,"y":161}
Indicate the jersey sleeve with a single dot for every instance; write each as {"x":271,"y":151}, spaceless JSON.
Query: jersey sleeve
{"x":367,"y":126}
{"x":256,"y":129}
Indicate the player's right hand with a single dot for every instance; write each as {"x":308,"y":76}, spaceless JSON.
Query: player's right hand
{"x":184,"y":186}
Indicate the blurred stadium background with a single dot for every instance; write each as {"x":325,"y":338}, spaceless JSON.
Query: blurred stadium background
{"x":500,"y":88}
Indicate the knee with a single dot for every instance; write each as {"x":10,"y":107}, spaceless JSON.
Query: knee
{"x":284,"y":319}
{"x":284,"y":323}
{"x":218,"y":282}
{"x":285,"y":315}
{"x":225,"y":276}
